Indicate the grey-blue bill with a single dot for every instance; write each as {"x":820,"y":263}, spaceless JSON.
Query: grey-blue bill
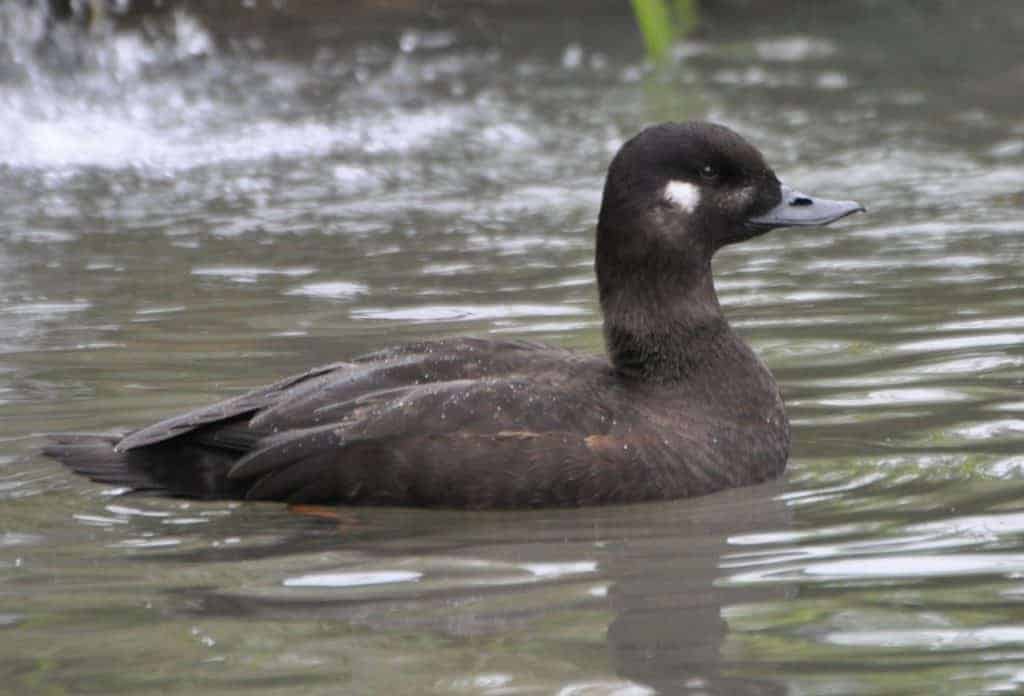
{"x":800,"y":210}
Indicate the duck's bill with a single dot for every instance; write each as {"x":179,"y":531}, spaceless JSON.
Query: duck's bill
{"x":800,"y":210}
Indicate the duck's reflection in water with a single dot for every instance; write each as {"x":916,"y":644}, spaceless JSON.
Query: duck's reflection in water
{"x":642,"y":584}
{"x":669,"y":629}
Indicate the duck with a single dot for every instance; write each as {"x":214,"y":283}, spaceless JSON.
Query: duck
{"x":679,"y":406}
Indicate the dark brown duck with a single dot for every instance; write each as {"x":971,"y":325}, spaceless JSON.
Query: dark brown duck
{"x":681,"y":406}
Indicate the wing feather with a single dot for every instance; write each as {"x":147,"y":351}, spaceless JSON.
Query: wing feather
{"x":223,"y":411}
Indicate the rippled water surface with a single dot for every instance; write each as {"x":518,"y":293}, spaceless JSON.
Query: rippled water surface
{"x":195,"y":203}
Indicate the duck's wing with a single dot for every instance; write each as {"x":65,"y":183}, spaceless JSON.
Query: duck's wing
{"x":507,"y":469}
{"x":495,"y":442}
{"x":306,"y":399}
{"x":426,"y":387}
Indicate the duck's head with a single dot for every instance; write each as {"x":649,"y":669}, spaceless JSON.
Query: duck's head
{"x":678,"y":192}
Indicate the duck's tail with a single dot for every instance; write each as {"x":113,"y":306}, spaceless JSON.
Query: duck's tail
{"x":94,"y":456}
{"x":154,"y":470}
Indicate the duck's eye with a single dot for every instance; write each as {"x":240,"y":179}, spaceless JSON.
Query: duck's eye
{"x":709,"y":172}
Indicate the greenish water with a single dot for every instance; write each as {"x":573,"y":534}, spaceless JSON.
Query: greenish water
{"x":196,"y":203}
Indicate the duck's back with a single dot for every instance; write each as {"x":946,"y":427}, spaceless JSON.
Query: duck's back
{"x":460,"y":423}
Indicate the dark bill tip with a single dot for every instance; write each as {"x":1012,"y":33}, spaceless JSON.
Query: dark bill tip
{"x":800,"y":210}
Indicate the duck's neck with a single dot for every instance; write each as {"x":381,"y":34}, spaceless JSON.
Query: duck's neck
{"x":665,"y":329}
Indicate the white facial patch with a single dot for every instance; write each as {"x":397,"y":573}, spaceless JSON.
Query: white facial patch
{"x":683,"y":194}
